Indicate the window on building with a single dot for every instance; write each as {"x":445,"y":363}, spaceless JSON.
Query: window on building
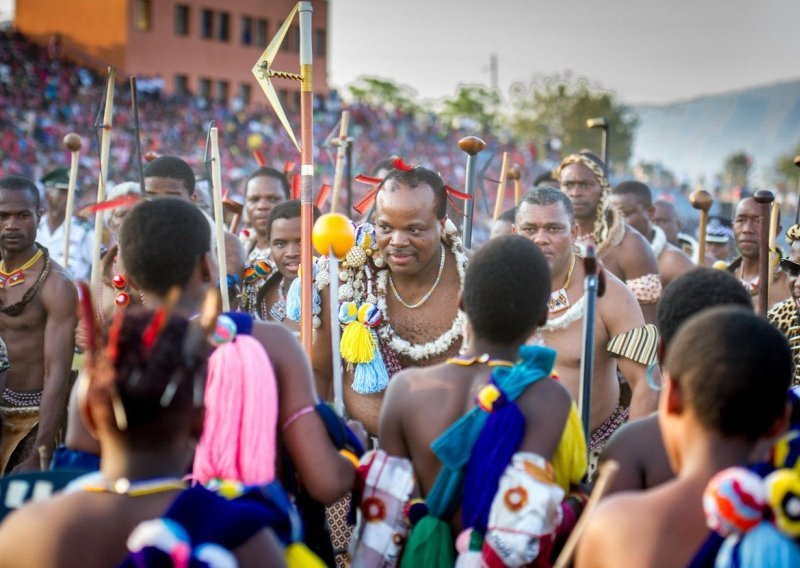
{"x":224,"y":28}
{"x":205,"y":88}
{"x":181,"y":85}
{"x":245,"y":93}
{"x":291,"y":42}
{"x":320,"y":46}
{"x":223,"y":89}
{"x":247,"y":30}
{"x":181,"y":20}
{"x":144,"y":15}
{"x":296,"y":99}
{"x":262,"y":29}
{"x":207,"y":24}
{"x":283,"y":96}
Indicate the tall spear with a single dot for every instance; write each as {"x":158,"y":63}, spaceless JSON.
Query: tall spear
{"x":264,"y":74}
{"x":73,"y":143}
{"x":764,"y":198}
{"x":219,"y":216}
{"x":471,"y":146}
{"x":105,"y":148}
{"x":137,"y":133}
{"x":593,"y":288}
{"x":341,"y":154}
{"x":501,"y":187}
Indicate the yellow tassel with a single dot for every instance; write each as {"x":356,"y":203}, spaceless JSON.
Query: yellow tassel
{"x":298,"y":555}
{"x":358,"y":343}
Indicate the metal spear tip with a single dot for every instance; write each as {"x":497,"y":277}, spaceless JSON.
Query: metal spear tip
{"x":599,"y":122}
{"x":701,"y":200}
{"x":764,"y":196}
{"x":514,"y":172}
{"x":797,"y":161}
{"x":72,"y":142}
{"x":471,"y":145}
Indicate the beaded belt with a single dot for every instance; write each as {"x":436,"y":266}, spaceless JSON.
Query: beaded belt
{"x":16,"y":399}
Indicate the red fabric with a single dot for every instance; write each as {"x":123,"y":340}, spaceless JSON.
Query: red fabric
{"x":296,"y":186}
{"x":322,"y":196}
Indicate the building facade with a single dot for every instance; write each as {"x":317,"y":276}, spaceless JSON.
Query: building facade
{"x":203,"y":47}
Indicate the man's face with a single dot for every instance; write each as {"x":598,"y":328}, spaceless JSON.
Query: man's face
{"x":664,"y":216}
{"x":634,"y":212}
{"x":165,"y":187}
{"x":408,"y":232}
{"x":501,"y":228}
{"x":548,"y":227}
{"x":56,"y":200}
{"x":261,"y":195}
{"x":19,"y":219}
{"x":747,"y":228}
{"x":284,"y":241}
{"x":580,"y":185}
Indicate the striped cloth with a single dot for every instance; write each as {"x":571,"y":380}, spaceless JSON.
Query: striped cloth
{"x":639,"y":344}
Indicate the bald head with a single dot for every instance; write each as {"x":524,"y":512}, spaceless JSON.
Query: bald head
{"x":666,"y":216}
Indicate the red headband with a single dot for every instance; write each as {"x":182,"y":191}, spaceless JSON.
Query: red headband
{"x":399,"y":164}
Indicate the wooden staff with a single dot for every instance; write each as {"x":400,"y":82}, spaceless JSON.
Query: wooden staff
{"x":775,"y":211}
{"x":702,"y":201}
{"x":234,"y":208}
{"x":602,"y":123}
{"x":515,"y":175}
{"x":501,"y":187}
{"x":797,"y":211}
{"x":764,"y":198}
{"x":216,"y":189}
{"x":591,"y":285}
{"x":105,"y":149}
{"x":608,"y":471}
{"x":341,"y":154}
{"x":72,"y":142}
{"x":471,"y":146}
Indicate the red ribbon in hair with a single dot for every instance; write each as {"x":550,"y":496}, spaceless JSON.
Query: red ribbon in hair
{"x":322,"y":196}
{"x":296,"y":186}
{"x":398,"y":164}
{"x":259,"y":158}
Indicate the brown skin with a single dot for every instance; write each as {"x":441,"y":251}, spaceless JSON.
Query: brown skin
{"x":665,"y":216}
{"x":549,"y":227}
{"x":56,"y":198}
{"x":501,"y":228}
{"x":409,"y":237}
{"x":672,"y":262}
{"x":747,"y":233}
{"x":102,"y":522}
{"x":326,"y":475}
{"x":284,"y":243}
{"x":632,"y":257}
{"x":41,"y":340}
{"x":668,"y":521}
{"x":421,"y":403}
{"x":261,"y":195}
{"x":639,"y":450}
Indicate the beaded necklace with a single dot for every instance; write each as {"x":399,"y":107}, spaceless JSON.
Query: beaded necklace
{"x":124,"y":486}
{"x":559,"y":300}
{"x":16,"y":277}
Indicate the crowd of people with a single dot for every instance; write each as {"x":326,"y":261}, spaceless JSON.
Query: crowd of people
{"x":452,"y":422}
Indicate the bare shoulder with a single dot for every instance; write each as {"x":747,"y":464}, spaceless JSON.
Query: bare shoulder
{"x":631,"y":437}
{"x":618,"y":308}
{"x":547,"y":394}
{"x":26,"y":523}
{"x":677,"y":260}
{"x":277,"y":339}
{"x":635,"y":255}
{"x":615,"y":291}
{"x":58,"y":290}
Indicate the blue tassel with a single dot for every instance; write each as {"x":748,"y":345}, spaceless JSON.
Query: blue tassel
{"x":491,"y":454}
{"x":372,"y":377}
{"x":293,"y":300}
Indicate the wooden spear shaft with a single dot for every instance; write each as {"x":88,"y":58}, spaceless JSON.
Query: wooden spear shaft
{"x":105,"y":148}
{"x":219,"y":217}
{"x":306,"y":177}
{"x":764,"y":198}
{"x":501,"y":187}
{"x":341,"y":153}
{"x":73,"y":143}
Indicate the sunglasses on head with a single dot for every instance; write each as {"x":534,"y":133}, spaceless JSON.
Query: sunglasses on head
{"x":790,"y":268}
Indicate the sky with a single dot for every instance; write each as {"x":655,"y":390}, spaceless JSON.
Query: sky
{"x":646,"y":51}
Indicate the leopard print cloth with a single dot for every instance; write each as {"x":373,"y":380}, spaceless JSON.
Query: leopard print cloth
{"x":646,"y":288}
{"x":785,"y":318}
